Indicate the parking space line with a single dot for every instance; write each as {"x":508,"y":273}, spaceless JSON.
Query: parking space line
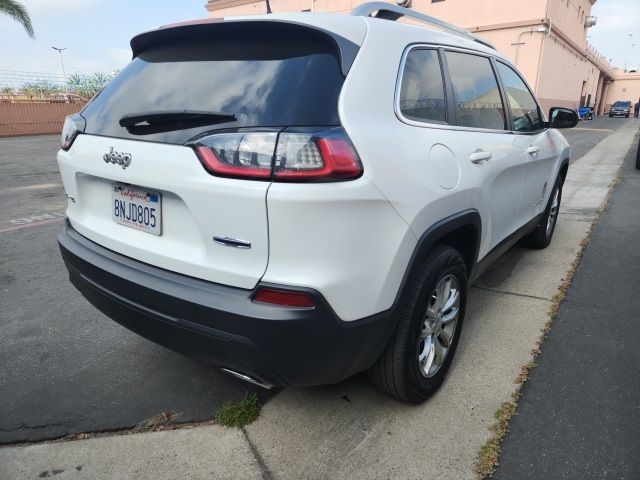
{"x":29,"y":225}
{"x":39,"y":186}
{"x":33,"y":221}
{"x":593,"y":129}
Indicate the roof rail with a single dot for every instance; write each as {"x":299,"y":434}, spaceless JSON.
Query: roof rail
{"x":392,"y":12}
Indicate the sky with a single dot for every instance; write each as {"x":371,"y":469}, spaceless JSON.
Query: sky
{"x":96,"y":33}
{"x":616,"y":20}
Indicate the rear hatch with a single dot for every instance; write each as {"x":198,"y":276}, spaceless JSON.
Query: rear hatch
{"x":141,"y":190}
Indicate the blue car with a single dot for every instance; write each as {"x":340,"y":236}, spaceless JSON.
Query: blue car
{"x":585,"y":113}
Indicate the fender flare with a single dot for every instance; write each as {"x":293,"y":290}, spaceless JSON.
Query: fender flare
{"x":564,"y":163}
{"x":436,"y":232}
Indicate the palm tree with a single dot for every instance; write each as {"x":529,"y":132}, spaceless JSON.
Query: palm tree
{"x":18,"y":12}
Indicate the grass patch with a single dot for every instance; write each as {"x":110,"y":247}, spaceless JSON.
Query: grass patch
{"x":490,"y":451}
{"x":238,"y":414}
{"x":523,"y":376}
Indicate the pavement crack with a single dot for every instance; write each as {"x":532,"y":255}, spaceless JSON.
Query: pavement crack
{"x":264,"y":469}
{"x":502,"y":292}
{"x":24,"y":426}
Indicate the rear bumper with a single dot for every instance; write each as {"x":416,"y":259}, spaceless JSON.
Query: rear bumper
{"x":221,"y":325}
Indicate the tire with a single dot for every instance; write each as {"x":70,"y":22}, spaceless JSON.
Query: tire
{"x":541,"y":237}
{"x":626,"y":116}
{"x":408,"y":369}
{"x":638,"y":157}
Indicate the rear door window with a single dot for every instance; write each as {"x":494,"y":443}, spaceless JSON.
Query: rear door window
{"x":478,"y":103}
{"x":275,"y":75}
{"x":524,"y":109}
{"x":422,"y":95}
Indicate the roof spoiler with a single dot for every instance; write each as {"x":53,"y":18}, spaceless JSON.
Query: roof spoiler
{"x":195,"y":30}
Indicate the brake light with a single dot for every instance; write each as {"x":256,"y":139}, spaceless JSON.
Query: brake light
{"x":290,"y":156}
{"x":327,"y":155}
{"x":286,"y":298}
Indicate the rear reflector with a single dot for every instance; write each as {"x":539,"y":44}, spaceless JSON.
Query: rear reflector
{"x":326,"y":155}
{"x":284,"y":297}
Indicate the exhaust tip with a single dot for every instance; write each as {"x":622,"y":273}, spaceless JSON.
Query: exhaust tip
{"x":247,"y":378}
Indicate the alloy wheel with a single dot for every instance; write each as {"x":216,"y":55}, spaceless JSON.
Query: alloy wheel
{"x":438,"y":326}
{"x":553,"y":211}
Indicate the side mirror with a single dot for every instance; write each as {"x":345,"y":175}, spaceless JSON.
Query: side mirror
{"x":562,"y":118}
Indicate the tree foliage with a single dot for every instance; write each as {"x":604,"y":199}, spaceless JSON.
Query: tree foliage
{"x":87,"y":86}
{"x":19,"y":13}
{"x":78,"y":85}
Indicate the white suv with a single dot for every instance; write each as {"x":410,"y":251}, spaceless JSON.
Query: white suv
{"x":300,"y":197}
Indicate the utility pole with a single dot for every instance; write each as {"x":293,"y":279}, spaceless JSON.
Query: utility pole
{"x":64,"y":75}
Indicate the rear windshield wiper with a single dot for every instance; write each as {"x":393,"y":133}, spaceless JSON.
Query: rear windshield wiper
{"x":157,"y":121}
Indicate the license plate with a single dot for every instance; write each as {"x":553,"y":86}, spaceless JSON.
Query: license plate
{"x":137,"y":208}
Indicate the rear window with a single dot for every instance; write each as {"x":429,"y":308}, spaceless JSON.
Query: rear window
{"x":274,"y":76}
{"x":422,"y":95}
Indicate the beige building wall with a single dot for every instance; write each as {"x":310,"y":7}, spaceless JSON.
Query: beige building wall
{"x":569,"y":17}
{"x":625,"y":87}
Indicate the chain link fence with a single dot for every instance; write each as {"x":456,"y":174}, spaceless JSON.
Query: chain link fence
{"x":34,"y":103}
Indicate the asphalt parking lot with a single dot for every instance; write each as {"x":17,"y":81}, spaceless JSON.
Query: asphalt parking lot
{"x":68,"y":368}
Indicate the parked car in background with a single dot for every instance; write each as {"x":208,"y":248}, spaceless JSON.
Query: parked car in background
{"x":297,"y":198}
{"x":585,"y":113}
{"x":620,"y":109}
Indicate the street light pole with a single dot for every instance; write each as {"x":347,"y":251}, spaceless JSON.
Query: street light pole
{"x":64,"y":75}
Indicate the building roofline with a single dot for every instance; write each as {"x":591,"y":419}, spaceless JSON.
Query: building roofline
{"x":213,"y":5}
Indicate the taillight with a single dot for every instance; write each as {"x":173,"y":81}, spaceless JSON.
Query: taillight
{"x":326,"y":155}
{"x":73,"y":125}
{"x":288,"y":298}
{"x":246,"y":155}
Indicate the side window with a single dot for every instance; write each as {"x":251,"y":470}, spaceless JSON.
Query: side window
{"x":422,"y":90}
{"x":475,"y":88}
{"x":525,"y":111}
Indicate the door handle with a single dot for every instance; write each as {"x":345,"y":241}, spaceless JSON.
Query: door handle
{"x":477,"y":157}
{"x":533,"y":151}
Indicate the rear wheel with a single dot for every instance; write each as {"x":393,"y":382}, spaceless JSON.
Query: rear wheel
{"x":541,"y":236}
{"x":418,"y":356}
{"x":638,"y":157}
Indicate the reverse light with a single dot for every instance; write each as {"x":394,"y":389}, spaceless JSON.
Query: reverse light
{"x":291,"y":156}
{"x":287,"y":298}
{"x":73,"y":125}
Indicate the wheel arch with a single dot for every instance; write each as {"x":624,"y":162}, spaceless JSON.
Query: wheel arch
{"x":461,"y":231}
{"x":564,"y":168}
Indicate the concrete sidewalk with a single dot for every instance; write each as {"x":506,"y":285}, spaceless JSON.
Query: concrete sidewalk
{"x":350,"y":430}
